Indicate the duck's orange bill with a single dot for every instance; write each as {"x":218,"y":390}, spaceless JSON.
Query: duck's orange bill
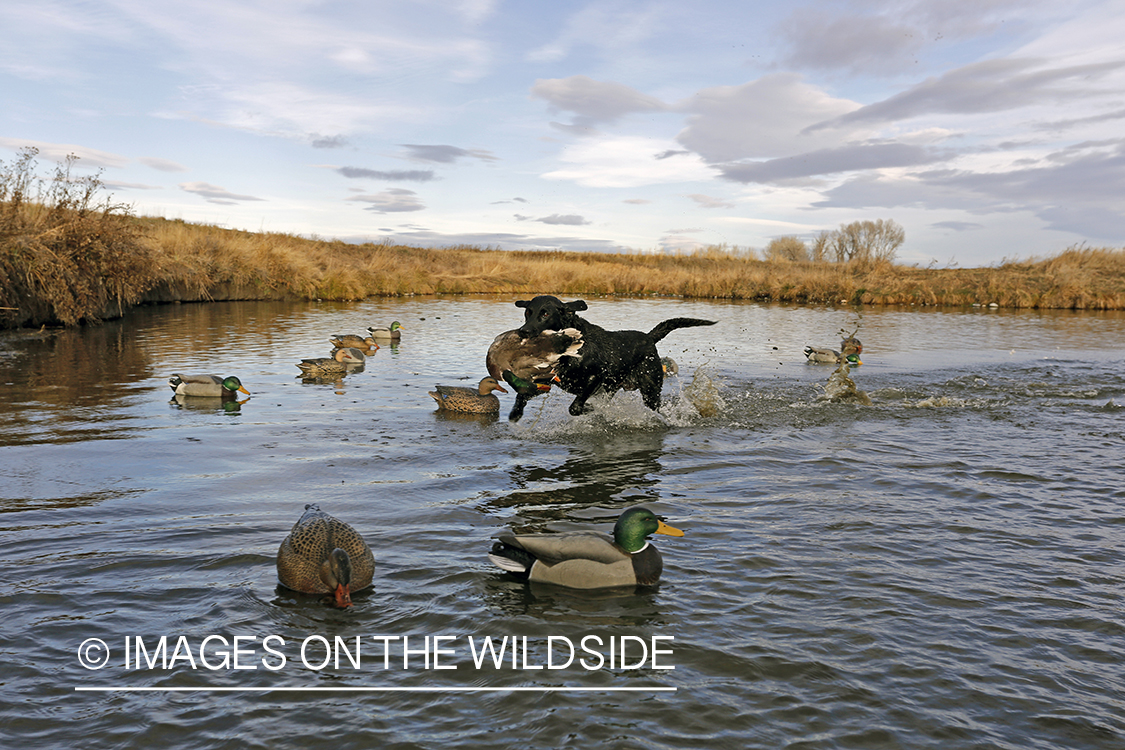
{"x":664,"y":528}
{"x":343,"y":596}
{"x":243,"y":389}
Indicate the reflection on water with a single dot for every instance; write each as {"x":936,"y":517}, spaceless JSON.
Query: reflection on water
{"x":942,"y":567}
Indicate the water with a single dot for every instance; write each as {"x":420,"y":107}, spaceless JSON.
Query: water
{"x":942,"y":568}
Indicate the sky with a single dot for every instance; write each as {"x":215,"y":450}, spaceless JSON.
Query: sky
{"x":989,"y":130}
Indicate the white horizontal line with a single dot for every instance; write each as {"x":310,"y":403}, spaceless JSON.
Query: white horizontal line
{"x":374,"y":689}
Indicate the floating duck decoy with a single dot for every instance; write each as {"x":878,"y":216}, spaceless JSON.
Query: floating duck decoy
{"x":345,"y":340}
{"x":587,"y":559}
{"x":528,"y":364}
{"x":340,"y":361}
{"x":392,"y":332}
{"x":479,"y":400}
{"x":323,"y":555}
{"x":850,"y":349}
{"x":208,"y":386}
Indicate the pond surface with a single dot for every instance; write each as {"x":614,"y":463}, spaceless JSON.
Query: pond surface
{"x":943,"y":568}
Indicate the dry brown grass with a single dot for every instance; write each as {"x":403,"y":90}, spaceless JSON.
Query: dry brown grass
{"x":65,"y":259}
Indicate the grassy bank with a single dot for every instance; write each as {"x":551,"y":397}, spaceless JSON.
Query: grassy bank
{"x":66,"y":258}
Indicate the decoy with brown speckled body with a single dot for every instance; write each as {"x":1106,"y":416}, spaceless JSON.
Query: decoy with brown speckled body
{"x":345,"y":340}
{"x":340,"y":361}
{"x":479,"y":400}
{"x":323,"y":555}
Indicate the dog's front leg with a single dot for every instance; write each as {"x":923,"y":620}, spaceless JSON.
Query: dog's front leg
{"x":578,"y":405}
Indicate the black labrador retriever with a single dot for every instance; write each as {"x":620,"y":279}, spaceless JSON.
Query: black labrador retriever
{"x":608,"y":361}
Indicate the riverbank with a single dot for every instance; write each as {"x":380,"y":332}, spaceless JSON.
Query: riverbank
{"x":98,"y":263}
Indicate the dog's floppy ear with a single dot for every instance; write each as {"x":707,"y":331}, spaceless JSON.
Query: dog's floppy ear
{"x":575,"y":306}
{"x":523,"y":303}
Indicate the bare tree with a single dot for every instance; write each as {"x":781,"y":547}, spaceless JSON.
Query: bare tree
{"x":787,"y":248}
{"x":865,"y":242}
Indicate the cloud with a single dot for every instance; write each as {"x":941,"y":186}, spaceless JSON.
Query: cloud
{"x":116,"y":185}
{"x":58,"y":152}
{"x":162,"y":165}
{"x":444,"y":154}
{"x":765,"y":118}
{"x":855,"y":43}
{"x":567,"y":219}
{"x":1089,"y":120}
{"x":957,"y":226}
{"x":215,"y":194}
{"x":332,"y":141}
{"x":706,"y":201}
{"x":398,"y":175}
{"x":1076,"y":189}
{"x":612,"y":29}
{"x":983,"y":87}
{"x":594,"y":101}
{"x":626,"y":161}
{"x":395,"y":200}
{"x":847,"y":158}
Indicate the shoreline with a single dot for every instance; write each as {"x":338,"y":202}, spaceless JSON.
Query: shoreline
{"x":98,"y":264}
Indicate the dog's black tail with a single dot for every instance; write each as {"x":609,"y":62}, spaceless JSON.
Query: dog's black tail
{"x":663,"y":329}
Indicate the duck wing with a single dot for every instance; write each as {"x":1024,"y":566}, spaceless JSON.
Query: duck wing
{"x":578,"y":545}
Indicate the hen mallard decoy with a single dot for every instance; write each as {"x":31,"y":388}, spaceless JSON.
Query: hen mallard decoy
{"x":323,"y":555}
{"x":345,"y":340}
{"x":392,"y":332}
{"x":528,"y":364}
{"x":210,"y":386}
{"x":588,"y":559}
{"x":479,"y":400}
{"x":340,"y":361}
{"x":850,"y":349}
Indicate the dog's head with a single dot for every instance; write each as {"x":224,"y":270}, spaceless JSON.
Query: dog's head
{"x":547,"y":313}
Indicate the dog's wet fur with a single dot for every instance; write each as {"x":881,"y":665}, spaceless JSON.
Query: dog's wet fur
{"x":608,"y":361}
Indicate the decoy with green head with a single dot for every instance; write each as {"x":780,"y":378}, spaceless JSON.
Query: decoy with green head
{"x":479,"y":400}
{"x":528,"y":364}
{"x":209,"y":386}
{"x":393,"y":332}
{"x":324,"y":555}
{"x":588,"y":559}
{"x":850,"y":349}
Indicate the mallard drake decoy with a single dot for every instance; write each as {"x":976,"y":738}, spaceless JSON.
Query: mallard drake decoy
{"x":586,"y":559}
{"x":340,"y":361}
{"x":479,"y":400}
{"x":392,"y":332}
{"x":671,"y":369}
{"x":323,"y":555}
{"x":850,"y":349}
{"x":527,"y":364}
{"x":210,"y":386}
{"x":345,"y":340}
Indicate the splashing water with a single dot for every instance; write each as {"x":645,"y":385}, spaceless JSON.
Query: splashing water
{"x":704,"y":394}
{"x":841,"y":389}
